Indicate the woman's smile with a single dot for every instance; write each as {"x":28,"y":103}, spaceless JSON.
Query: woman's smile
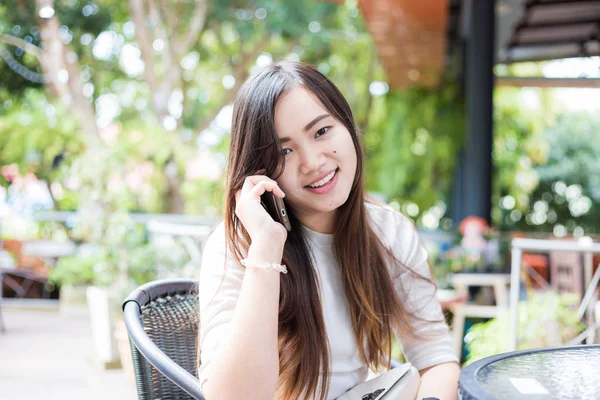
{"x":324,"y":185}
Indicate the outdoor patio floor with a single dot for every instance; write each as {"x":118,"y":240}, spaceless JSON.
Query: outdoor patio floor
{"x":49,"y":355}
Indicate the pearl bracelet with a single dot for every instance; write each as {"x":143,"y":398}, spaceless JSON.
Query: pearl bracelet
{"x":277,"y":267}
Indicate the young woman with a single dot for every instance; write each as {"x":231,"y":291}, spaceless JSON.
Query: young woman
{"x":356,"y":271}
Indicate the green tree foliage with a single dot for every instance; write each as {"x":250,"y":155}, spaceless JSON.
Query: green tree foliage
{"x":19,"y":19}
{"x":519,"y":143}
{"x":411,"y":136}
{"x":40,"y":138}
{"x":15,"y":21}
{"x":574,"y":157}
{"x":412,"y":142}
{"x":567,"y":196}
{"x":232,"y":35}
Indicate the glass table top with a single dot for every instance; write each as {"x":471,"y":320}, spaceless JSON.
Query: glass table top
{"x":561,"y":373}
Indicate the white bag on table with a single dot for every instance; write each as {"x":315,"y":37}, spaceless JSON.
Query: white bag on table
{"x":400,"y":383}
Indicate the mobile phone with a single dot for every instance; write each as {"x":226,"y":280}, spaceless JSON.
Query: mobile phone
{"x":276,"y":209}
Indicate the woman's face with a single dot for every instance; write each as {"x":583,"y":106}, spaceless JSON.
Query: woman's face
{"x":320,"y":159}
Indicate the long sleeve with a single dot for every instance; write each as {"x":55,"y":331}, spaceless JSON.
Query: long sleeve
{"x":431,"y":343}
{"x":219,"y":289}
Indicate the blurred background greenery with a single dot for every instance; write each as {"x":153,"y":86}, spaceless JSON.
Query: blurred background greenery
{"x":160,"y":138}
{"x":137,"y":120}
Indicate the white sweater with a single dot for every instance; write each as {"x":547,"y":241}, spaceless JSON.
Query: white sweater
{"x":347,"y":369}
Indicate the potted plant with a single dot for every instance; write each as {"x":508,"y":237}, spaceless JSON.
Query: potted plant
{"x":477,"y":249}
{"x":117,"y":255}
{"x":107,"y":266}
{"x":73,"y":275}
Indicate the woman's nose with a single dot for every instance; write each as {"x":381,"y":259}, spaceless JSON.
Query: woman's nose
{"x":312,"y":160}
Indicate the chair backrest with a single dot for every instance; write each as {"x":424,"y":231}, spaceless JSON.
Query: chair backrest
{"x":162,"y":323}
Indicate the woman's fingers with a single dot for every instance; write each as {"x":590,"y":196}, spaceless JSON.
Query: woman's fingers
{"x":267,"y":186}
{"x":252,"y":181}
{"x":249,"y":183}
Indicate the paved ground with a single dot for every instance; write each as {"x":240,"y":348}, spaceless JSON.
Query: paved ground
{"x":49,"y":355}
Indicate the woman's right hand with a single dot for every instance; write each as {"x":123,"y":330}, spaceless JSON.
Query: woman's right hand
{"x":252,"y":214}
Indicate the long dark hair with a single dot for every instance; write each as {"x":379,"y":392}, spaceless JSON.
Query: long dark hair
{"x":368,"y":285}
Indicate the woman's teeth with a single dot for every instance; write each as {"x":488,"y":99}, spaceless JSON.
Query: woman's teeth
{"x":324,"y":180}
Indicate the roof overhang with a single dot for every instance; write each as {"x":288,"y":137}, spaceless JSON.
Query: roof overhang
{"x":410,"y":37}
{"x":417,"y":40}
{"x":536,"y":30}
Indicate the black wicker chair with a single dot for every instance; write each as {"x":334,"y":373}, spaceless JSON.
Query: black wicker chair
{"x":161,"y":319}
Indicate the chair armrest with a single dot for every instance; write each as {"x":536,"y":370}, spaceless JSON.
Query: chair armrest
{"x":155,"y":356}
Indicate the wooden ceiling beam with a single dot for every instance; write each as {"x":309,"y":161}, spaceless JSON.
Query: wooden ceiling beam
{"x":410,"y":37}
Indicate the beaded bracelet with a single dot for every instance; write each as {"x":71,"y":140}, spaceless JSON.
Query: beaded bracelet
{"x":277,"y":267}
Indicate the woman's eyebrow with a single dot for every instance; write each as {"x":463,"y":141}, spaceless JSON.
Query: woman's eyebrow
{"x":307,"y":127}
{"x":314,"y":121}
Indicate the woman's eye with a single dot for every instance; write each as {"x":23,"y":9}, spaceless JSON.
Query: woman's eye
{"x":286,"y":151}
{"x":322,"y":131}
